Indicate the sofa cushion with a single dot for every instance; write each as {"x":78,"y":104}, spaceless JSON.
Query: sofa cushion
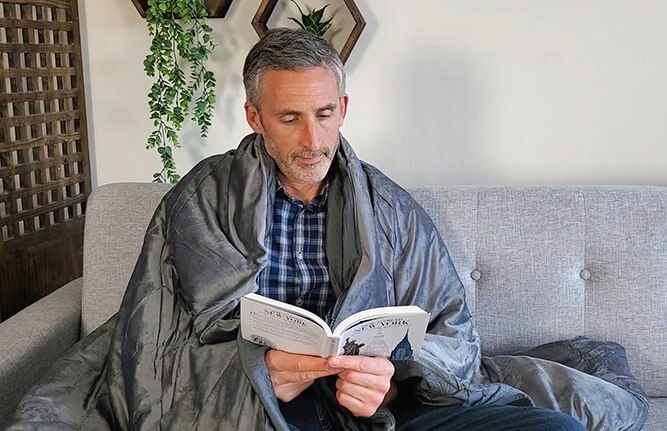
{"x":657,"y":416}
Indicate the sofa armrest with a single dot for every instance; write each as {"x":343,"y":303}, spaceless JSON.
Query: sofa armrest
{"x":33,"y":339}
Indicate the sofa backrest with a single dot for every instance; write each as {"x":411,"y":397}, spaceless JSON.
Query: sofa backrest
{"x":542,"y":264}
{"x":539,"y":264}
{"x":117,"y":216}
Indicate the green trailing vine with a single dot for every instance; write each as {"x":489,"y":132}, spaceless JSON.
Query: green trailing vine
{"x":312,"y":21}
{"x":180,"y":36}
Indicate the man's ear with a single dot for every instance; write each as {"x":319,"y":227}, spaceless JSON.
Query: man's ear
{"x":252,"y":117}
{"x":343,"y":108}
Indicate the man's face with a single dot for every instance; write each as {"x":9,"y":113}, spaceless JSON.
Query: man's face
{"x":299,"y":116}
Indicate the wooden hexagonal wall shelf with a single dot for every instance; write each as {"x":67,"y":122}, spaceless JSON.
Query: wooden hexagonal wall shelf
{"x":347,"y":22}
{"x":215,"y":8}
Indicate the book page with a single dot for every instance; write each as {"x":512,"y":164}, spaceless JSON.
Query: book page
{"x":376,"y":313}
{"x":396,"y":337}
{"x":280,"y":329}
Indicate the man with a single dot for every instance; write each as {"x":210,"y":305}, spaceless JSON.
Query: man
{"x":296,"y":101}
{"x":292,"y":214}
{"x":298,"y":113}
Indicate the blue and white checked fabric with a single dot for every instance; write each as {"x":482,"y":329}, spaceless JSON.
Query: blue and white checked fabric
{"x":297,"y":271}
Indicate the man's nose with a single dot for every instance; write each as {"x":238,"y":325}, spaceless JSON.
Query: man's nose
{"x":309,"y":136}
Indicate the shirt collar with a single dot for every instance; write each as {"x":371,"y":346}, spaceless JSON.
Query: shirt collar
{"x":319,"y":201}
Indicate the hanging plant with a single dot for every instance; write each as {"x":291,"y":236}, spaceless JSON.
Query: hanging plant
{"x":181,"y":37}
{"x":312,"y":21}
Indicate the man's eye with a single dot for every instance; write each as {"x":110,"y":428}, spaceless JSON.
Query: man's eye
{"x":289,"y":120}
{"x":324,"y":116}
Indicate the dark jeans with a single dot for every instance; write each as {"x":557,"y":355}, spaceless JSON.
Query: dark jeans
{"x":486,"y":418}
{"x":305,"y":413}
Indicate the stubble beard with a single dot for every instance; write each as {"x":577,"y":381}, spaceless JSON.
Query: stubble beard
{"x":290,"y":167}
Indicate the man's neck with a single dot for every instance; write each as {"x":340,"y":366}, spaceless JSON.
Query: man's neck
{"x":303,"y":192}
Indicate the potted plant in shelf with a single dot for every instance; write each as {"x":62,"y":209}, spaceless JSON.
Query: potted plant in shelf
{"x":181,"y":41}
{"x":312,"y":21}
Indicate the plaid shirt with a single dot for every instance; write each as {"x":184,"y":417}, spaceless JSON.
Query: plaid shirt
{"x":297,"y":271}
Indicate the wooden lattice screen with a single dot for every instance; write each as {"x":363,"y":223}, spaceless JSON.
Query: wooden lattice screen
{"x":44,"y":163}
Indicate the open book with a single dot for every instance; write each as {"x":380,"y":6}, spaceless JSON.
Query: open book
{"x":392,"y":332}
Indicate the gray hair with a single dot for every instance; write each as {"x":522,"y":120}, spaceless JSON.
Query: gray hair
{"x":287,"y":49}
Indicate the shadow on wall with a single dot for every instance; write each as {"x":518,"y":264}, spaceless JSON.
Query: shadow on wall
{"x":85,"y":60}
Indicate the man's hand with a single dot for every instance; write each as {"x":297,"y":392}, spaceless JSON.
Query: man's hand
{"x":364,"y":383}
{"x":291,"y":373}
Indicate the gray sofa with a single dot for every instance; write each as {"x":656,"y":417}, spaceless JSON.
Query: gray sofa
{"x":560,"y":261}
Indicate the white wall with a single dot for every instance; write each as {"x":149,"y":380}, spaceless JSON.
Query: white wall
{"x":442,"y":91}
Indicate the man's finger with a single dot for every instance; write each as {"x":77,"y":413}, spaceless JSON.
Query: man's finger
{"x":374,"y":393}
{"x":301,"y":376}
{"x":363,"y":364}
{"x":380,"y":383}
{"x":355,"y":406}
{"x":284,"y":361}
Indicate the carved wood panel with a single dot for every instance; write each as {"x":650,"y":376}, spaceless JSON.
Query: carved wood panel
{"x":44,"y":161}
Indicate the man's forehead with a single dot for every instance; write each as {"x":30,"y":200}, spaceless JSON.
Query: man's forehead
{"x":300,"y":75}
{"x":316,"y":87}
